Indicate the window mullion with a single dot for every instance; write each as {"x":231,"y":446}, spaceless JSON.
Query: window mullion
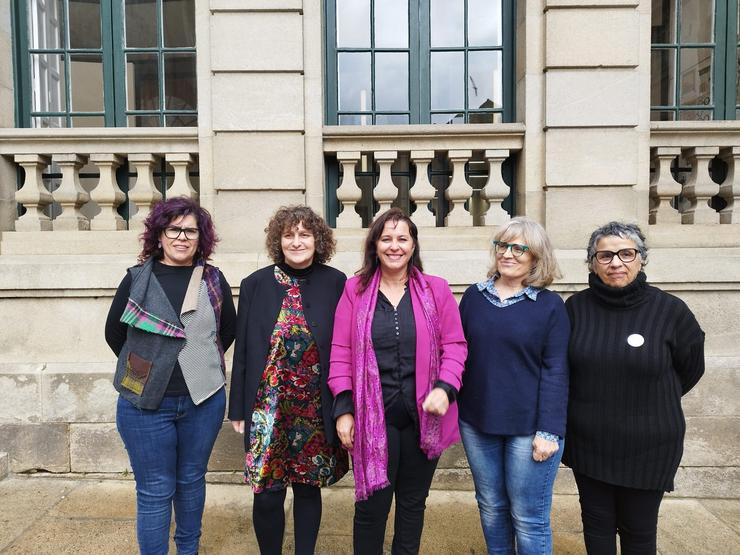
{"x":111,"y":41}
{"x":21,"y":63}
{"x":424,"y":76}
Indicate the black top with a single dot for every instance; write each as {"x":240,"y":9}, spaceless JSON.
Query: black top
{"x":394,"y":342}
{"x":260,"y":300}
{"x":174,"y":281}
{"x":634,"y":351}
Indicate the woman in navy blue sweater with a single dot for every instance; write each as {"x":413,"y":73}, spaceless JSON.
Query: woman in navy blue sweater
{"x":513,"y":403}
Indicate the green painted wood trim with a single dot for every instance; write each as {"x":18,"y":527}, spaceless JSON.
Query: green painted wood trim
{"x":330,"y":63}
{"x":21,"y":62}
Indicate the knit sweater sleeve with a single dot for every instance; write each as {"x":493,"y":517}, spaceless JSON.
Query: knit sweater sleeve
{"x":687,"y":351}
{"x":552,"y":403}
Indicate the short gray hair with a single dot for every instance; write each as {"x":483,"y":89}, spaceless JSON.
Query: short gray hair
{"x":617,"y":229}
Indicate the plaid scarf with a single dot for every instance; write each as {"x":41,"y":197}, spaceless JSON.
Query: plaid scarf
{"x":370,"y":451}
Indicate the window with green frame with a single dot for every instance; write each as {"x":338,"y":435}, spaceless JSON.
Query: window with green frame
{"x":115,"y":63}
{"x":694,"y":71}
{"x":419,"y":61}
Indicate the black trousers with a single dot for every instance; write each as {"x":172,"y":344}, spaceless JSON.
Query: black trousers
{"x":607,"y":510}
{"x":410,"y":475}
{"x":268,"y":516}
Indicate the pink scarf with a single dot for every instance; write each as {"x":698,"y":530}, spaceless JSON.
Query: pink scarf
{"x":370,"y":452}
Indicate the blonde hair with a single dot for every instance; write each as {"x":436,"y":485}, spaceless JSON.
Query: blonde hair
{"x":544,"y":267}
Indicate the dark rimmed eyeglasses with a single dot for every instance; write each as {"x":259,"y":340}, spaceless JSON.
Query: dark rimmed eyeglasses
{"x":173,"y":232}
{"x":516,"y":249}
{"x":625,"y":255}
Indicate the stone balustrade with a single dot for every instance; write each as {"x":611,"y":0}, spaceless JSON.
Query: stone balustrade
{"x":694,"y":178}
{"x":421,"y":150}
{"x":96,"y":154}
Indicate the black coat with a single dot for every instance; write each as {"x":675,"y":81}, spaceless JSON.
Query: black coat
{"x":260,"y":299}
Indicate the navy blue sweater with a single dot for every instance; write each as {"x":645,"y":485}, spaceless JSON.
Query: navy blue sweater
{"x":516,"y":373}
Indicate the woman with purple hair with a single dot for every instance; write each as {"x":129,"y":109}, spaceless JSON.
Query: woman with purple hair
{"x":170,"y":322}
{"x":397,"y":358}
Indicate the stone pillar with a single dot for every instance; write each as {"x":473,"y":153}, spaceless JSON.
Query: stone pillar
{"x":144,"y":193}
{"x":699,"y":188}
{"x":385,"y":191}
{"x":458,"y":192}
{"x":70,"y":194}
{"x":729,"y":190}
{"x":107,"y":194}
{"x":33,"y":195}
{"x":496,"y":189}
{"x":663,"y":187}
{"x":348,"y":193}
{"x":181,"y":185}
{"x":423,"y":191}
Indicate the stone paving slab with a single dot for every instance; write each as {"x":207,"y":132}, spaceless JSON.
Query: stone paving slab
{"x":40,"y":515}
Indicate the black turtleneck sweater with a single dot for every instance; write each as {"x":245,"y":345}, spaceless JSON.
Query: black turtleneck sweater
{"x":634,"y":351}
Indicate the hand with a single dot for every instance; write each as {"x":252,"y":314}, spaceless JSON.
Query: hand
{"x":436,"y":402}
{"x":542,"y":449}
{"x":238,"y":426}
{"x":346,"y":430}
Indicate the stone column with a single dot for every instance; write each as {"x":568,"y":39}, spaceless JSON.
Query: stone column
{"x":663,"y":187}
{"x":385,"y":191}
{"x":181,"y":185}
{"x":423,"y":191}
{"x":496,"y":190}
{"x":144,"y":193}
{"x":699,"y":188}
{"x":729,"y":190}
{"x":348,"y":193}
{"x":107,"y":194}
{"x":33,"y":195}
{"x":458,"y":191}
{"x":70,"y":194}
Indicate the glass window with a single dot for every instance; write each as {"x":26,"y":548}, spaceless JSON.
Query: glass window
{"x":106,"y":62}
{"x":419,"y":61}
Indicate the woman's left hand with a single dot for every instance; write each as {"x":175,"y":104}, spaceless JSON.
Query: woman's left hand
{"x":543,"y":449}
{"x":436,"y":402}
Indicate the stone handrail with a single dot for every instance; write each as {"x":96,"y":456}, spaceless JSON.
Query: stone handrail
{"x":694,"y":144}
{"x":458,"y":142}
{"x":107,"y":149}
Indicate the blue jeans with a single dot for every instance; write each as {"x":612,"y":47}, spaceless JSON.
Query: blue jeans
{"x":514,"y":492}
{"x":169,"y":450}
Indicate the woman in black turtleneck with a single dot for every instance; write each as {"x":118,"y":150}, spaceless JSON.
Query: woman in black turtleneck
{"x":279,"y":397}
{"x":634,"y":351}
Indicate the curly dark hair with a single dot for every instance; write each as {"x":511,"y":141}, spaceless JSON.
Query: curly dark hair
{"x":286,"y":218}
{"x":162,"y":214}
{"x":370,"y":260}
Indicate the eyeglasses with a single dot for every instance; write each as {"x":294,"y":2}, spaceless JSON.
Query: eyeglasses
{"x":625,"y":255}
{"x":174,"y":232}
{"x":516,"y":249}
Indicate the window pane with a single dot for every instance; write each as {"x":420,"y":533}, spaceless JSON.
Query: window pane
{"x":737,"y":77}
{"x":353,"y":23}
{"x":142,"y":82}
{"x":663,"y":77}
{"x":86,"y":80}
{"x":485,"y":80}
{"x":448,"y":80}
{"x":354,"y":81}
{"x":664,"y":115}
{"x":178,"y":22}
{"x":355,"y":119}
{"x":141,"y":23}
{"x":391,"y":119}
{"x":391,"y":23}
{"x":697,"y":21}
{"x":663,"y":22}
{"x":88,"y":121}
{"x":484,"y":22}
{"x":695,"y":115}
{"x":391,"y":81}
{"x":448,"y":118}
{"x":84,"y":24}
{"x":179,"y":82}
{"x":485,"y":117}
{"x":143,"y":121}
{"x":696,"y":76}
{"x":182,"y":120}
{"x":48,"y":83}
{"x":45,"y":24}
{"x":448,"y":22}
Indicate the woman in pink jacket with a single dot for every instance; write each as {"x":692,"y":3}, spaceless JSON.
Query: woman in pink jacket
{"x":398,"y":353}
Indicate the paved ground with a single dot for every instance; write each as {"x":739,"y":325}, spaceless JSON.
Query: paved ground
{"x":40,"y":515}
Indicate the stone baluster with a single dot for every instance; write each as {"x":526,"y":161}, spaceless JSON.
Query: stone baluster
{"x":144,"y":193}
{"x":385,"y":191}
{"x":496,"y":190}
{"x":423,"y":191}
{"x":33,"y":195}
{"x":729,"y":190}
{"x":458,"y":191}
{"x":699,"y":188}
{"x":663,"y":188}
{"x":106,"y":194}
{"x":181,"y":185}
{"x":70,"y":194}
{"x":348,"y":192}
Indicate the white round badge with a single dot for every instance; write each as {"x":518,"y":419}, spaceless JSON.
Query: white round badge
{"x":635,"y":340}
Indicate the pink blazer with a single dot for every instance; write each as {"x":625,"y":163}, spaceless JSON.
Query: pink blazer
{"x":453,"y":347}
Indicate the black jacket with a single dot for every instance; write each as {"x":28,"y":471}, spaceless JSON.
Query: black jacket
{"x":260,"y":299}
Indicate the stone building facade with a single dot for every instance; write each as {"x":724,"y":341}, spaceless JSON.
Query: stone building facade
{"x":574,"y":145}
